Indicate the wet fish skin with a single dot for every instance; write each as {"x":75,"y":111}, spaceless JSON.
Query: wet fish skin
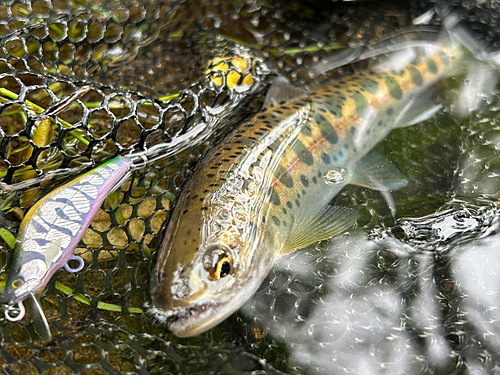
{"x":53,"y":227}
{"x":257,"y":194}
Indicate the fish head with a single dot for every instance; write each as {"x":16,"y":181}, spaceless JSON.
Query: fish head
{"x":209,"y":266}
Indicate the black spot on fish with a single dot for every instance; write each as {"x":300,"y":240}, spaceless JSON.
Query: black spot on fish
{"x":275,"y":220}
{"x":303,"y":153}
{"x":416,"y":77}
{"x":326,"y":129}
{"x":346,"y":146}
{"x":326,"y":159}
{"x":289,"y":204}
{"x":432,"y":67}
{"x":393,"y":87}
{"x":353,"y":130}
{"x":334,"y":158}
{"x":304,"y":180}
{"x":314,"y":180}
{"x":285,"y":212}
{"x":361,"y":104}
{"x":319,"y":174}
{"x":275,"y":198}
{"x":341,"y":153}
{"x":283,"y":176}
{"x":390,"y":111}
{"x":284,"y":223}
{"x":297,"y":203}
{"x":369,"y":84}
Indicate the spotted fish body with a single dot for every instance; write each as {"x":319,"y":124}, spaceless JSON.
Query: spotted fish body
{"x":54,"y":226}
{"x":256,"y":195}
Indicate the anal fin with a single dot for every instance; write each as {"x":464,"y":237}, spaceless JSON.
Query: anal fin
{"x":329,"y":222}
{"x":416,"y":111}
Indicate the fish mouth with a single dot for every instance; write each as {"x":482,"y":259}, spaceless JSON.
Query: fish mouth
{"x":195,"y":319}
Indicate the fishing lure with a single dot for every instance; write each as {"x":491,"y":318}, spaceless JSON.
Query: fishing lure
{"x":53,"y":227}
{"x":264,"y":191}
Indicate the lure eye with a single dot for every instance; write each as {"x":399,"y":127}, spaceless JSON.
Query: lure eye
{"x":17,"y":283}
{"x":218,"y":263}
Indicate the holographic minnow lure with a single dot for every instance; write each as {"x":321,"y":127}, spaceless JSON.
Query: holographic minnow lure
{"x":53,"y":227}
{"x":264,"y":191}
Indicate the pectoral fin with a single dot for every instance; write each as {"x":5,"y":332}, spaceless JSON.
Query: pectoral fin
{"x":376,"y":172}
{"x":329,"y":222}
{"x":281,"y":91}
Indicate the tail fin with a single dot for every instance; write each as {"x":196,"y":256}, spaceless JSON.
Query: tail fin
{"x":462,"y":35}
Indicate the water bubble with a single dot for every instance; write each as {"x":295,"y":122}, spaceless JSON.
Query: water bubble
{"x":336,"y":176}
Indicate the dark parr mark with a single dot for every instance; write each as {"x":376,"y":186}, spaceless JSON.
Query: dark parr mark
{"x":393,"y":87}
{"x":275,"y":198}
{"x":432,"y":67}
{"x":283,"y":176}
{"x":416,"y":77}
{"x":369,"y":84}
{"x":326,"y":129}
{"x":306,"y":129}
{"x":335,"y":104}
{"x":361,"y":104}
{"x":303,"y":153}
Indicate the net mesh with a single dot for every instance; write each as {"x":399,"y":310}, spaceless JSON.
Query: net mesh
{"x":155,"y":72}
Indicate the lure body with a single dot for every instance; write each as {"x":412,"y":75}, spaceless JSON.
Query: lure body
{"x":265,"y":190}
{"x":53,"y":227}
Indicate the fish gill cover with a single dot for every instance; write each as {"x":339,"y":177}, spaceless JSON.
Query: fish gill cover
{"x":184,"y":73}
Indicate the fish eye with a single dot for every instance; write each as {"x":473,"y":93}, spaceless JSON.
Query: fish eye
{"x":17,"y":283}
{"x":223,"y":267}
{"x":218,"y":263}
